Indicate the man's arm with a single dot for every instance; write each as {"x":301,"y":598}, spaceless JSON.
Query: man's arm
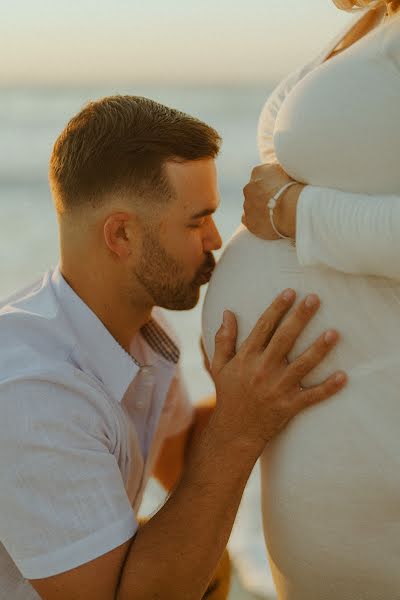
{"x":169,"y":469}
{"x":171,"y":460}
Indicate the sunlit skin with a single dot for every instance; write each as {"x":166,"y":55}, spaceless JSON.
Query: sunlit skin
{"x":125,"y":258}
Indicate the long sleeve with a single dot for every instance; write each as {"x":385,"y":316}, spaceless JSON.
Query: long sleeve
{"x":352,"y":233}
{"x":266,"y":122}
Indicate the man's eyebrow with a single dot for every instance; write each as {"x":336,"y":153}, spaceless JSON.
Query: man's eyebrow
{"x":203,"y":213}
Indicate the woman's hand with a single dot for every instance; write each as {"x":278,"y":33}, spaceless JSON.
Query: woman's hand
{"x":265,"y":181}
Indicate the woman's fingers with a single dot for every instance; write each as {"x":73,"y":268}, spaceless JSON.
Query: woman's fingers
{"x":264,"y":329}
{"x":286,"y":335}
{"x":311,"y":358}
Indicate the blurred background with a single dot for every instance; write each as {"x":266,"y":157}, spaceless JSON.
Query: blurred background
{"x":214,"y":59}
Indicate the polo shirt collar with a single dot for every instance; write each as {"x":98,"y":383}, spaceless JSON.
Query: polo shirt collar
{"x":107,"y":360}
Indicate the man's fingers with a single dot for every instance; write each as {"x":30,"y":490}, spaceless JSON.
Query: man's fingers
{"x":263,"y":330}
{"x":320,"y":392}
{"x":311,"y":358}
{"x":225,"y":342}
{"x":286,"y":335}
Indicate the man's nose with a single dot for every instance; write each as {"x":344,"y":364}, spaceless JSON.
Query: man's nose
{"x":213,"y":240}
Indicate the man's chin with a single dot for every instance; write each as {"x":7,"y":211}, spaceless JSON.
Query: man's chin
{"x":186,"y":303}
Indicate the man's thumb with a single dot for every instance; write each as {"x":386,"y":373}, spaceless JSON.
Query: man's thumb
{"x":225,"y":342}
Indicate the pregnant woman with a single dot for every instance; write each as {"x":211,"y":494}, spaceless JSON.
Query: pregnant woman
{"x":330,"y":481}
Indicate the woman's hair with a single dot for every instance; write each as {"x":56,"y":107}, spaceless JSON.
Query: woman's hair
{"x":357,"y":4}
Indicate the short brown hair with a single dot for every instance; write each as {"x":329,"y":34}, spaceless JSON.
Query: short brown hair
{"x":120,"y":143}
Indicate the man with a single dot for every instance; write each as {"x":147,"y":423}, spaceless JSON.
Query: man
{"x":91,"y":397}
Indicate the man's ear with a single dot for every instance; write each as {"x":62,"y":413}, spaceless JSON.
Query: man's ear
{"x":120,"y":230}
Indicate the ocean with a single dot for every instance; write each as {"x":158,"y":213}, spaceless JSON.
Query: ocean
{"x":30,"y":121}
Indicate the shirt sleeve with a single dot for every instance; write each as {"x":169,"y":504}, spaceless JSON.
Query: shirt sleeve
{"x":63,"y":501}
{"x":352,"y":233}
{"x":270,"y":110}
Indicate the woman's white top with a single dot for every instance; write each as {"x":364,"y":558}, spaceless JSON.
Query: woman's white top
{"x":354,"y":232}
{"x":330,"y":480}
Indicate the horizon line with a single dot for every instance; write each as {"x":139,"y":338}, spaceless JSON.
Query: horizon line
{"x":176,"y":84}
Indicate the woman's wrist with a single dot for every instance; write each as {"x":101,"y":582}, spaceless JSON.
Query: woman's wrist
{"x":286,"y":209}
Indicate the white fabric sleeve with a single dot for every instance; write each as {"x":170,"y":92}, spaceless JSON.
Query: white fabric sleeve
{"x":270,"y":110}
{"x":269,"y":113}
{"x":352,"y":233}
{"x":63,"y":500}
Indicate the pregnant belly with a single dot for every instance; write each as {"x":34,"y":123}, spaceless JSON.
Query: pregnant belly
{"x":330,"y":480}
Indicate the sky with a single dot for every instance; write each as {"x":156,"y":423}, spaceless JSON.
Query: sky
{"x":54,"y":42}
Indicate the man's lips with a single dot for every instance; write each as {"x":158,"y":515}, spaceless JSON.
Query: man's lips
{"x":205,"y":276}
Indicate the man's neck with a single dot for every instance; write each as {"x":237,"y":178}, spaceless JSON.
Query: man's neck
{"x":120,"y":317}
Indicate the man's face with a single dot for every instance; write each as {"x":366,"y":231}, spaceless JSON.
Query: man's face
{"x":176,"y":257}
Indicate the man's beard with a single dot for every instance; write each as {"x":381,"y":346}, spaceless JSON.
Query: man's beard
{"x":162,"y":276}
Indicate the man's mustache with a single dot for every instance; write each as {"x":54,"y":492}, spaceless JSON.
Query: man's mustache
{"x":209,"y":263}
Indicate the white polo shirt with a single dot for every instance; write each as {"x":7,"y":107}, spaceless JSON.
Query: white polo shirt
{"x":81,"y":423}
